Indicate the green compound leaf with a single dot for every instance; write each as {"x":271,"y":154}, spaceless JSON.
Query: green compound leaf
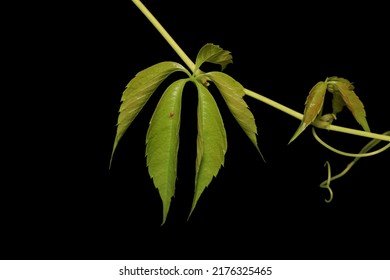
{"x":343,"y":94}
{"x":313,"y":106}
{"x":138,"y":92}
{"x":211,"y":142}
{"x":162,"y":143}
{"x":233,"y":92}
{"x":213,"y":54}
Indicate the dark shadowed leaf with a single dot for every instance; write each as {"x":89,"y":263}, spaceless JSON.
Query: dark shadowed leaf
{"x":162,"y":143}
{"x":337,"y":102}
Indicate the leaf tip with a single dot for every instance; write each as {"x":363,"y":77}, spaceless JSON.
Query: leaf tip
{"x":261,"y":154}
{"x":300,"y":129}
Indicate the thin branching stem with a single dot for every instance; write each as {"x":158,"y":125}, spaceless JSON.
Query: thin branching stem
{"x":248,"y":92}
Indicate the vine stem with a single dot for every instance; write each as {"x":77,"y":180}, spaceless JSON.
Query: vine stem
{"x":248,"y":92}
{"x":165,"y":34}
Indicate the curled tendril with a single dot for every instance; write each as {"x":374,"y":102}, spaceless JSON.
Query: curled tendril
{"x":326,"y":183}
{"x":364,"y":152}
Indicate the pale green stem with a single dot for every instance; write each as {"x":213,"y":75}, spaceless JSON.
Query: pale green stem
{"x":248,"y":92}
{"x":165,"y":34}
{"x":361,"y":154}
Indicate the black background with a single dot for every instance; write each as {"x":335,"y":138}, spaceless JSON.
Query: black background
{"x":71,"y":64}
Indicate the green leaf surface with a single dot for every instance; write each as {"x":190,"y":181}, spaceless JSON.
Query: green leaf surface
{"x":162,"y":143}
{"x":213,"y":54}
{"x":233,"y":92}
{"x":211,"y":142}
{"x":138,"y":92}
{"x":345,"y":90}
{"x":313,"y":106}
